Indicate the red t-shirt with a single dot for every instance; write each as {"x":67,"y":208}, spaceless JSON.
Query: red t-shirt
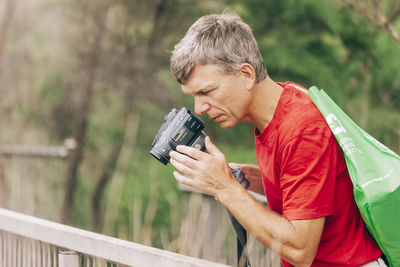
{"x":305,"y":177}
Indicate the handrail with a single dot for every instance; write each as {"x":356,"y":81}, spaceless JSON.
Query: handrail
{"x":97,"y":245}
{"x":185,"y":188}
{"x":43,"y":151}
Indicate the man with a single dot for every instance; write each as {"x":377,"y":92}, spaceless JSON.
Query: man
{"x":311,"y":218}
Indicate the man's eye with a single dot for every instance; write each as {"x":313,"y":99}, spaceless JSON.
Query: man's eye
{"x":206,"y":92}
{"x":203,"y":92}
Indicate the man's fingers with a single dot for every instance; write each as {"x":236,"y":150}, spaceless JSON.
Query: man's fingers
{"x":191,"y":152}
{"x":184,"y":159}
{"x":181,"y":167}
{"x":183,"y":179}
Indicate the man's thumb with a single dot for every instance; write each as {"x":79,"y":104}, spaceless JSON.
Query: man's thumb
{"x":211,"y":148}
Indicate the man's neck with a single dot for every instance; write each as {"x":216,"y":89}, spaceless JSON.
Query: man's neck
{"x":265,"y":101}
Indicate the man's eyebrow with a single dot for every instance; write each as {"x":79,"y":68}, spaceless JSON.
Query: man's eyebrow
{"x":210,"y":86}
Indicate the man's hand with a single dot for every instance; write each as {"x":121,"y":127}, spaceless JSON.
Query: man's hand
{"x":206,"y":172}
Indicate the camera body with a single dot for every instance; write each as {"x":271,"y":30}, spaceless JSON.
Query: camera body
{"x":179,"y":128}
{"x":184,"y":128}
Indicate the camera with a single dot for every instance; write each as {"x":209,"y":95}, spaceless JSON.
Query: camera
{"x":184,"y":128}
{"x":179,"y":128}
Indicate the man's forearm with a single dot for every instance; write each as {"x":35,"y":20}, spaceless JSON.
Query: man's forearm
{"x":272,"y":230}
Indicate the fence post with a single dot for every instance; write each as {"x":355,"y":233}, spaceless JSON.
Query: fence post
{"x":213,"y":239}
{"x":68,"y":259}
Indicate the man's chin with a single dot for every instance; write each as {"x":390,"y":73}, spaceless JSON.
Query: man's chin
{"x":226,"y":124}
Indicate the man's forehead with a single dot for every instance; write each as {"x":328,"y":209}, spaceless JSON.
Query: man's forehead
{"x":202,"y":77}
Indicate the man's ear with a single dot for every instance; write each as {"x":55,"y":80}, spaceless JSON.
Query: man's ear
{"x":249,"y":74}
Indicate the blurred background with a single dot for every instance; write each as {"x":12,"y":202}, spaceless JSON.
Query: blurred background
{"x":85,"y":85}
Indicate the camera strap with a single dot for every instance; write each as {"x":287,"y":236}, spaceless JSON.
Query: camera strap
{"x":241,"y":233}
{"x":241,"y":236}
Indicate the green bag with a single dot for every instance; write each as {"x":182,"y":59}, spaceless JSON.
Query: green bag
{"x":375,"y":172}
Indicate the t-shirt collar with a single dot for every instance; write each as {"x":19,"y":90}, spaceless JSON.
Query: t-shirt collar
{"x":275,"y":118}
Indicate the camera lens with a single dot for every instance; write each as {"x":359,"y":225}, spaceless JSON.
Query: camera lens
{"x":159,"y":156}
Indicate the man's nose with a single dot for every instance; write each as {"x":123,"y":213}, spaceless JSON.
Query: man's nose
{"x":200,"y":107}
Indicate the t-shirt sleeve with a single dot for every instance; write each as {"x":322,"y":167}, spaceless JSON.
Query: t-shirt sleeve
{"x":308,"y":168}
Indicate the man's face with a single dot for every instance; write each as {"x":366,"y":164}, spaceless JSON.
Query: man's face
{"x":222,"y":97}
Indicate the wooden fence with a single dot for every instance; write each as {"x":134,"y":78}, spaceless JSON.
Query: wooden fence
{"x":27,"y":241}
{"x":33,"y":174}
{"x":209,"y":222}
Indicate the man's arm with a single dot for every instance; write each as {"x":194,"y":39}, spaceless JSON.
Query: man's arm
{"x":296,"y":241}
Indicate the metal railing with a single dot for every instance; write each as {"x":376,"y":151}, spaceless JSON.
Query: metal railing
{"x":27,"y":241}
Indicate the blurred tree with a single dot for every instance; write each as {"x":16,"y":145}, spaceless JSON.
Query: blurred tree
{"x":324,"y":43}
{"x":91,"y":55}
{"x":119,"y":47}
{"x":380,"y":13}
{"x":5,"y":21}
{"x":144,"y":53}
{"x":8,"y":7}
{"x":382,"y":76}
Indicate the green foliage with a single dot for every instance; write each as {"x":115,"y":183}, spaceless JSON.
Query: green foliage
{"x":152,"y":184}
{"x":321,"y":43}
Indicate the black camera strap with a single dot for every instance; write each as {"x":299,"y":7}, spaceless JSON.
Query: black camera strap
{"x":241,"y":233}
{"x":241,"y":236}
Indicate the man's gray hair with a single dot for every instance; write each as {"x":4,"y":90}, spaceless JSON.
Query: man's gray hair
{"x":220,"y":39}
